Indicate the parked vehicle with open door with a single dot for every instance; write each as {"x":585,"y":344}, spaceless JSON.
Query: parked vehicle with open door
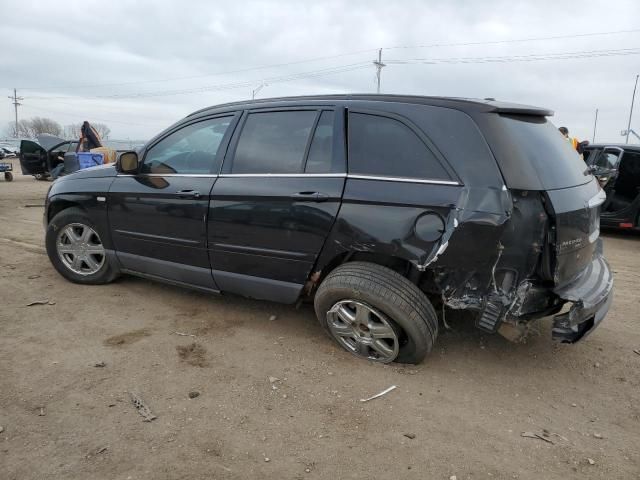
{"x":40,"y":156}
{"x":617,"y":168}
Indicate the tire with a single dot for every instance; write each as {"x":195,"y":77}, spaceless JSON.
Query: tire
{"x":91,"y":268}
{"x":8,"y":176}
{"x":390,"y":299}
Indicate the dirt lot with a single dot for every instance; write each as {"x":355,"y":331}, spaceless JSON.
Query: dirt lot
{"x":461,"y":413}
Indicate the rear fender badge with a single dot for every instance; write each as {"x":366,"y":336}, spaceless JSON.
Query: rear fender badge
{"x":574,"y":243}
{"x":101,"y":199}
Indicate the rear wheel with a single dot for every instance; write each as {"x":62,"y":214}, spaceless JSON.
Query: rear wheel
{"x":375,"y":313}
{"x":76,"y":250}
{"x":8,"y":176}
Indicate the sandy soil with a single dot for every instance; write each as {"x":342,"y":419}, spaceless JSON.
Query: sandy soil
{"x":462,"y":412}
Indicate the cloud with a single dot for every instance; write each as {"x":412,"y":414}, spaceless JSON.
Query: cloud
{"x":66,"y":57}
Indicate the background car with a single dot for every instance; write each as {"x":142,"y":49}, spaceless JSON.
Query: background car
{"x":617,"y":168}
{"x":40,"y":156}
{"x":6,"y":153}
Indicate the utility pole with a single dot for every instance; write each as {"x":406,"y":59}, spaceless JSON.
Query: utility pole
{"x":631,"y":111}
{"x":257,"y":89}
{"x":16,"y":103}
{"x":379,"y":66}
{"x":595,"y":125}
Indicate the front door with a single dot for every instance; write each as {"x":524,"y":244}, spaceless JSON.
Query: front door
{"x":605,"y":165}
{"x":276,"y":201}
{"x":623,"y":192}
{"x":33,"y":158}
{"x":158,"y":217}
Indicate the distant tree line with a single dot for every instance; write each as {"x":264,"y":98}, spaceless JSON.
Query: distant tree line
{"x":31,"y":127}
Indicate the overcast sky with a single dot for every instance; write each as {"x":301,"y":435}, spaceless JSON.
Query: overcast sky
{"x":77,"y":60}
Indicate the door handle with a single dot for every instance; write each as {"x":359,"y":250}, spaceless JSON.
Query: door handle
{"x":310,"y":196}
{"x":188,"y":193}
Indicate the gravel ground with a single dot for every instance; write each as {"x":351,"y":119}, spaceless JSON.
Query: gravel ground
{"x":275,"y":398}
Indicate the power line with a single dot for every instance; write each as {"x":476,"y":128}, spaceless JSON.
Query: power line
{"x":225,"y":86}
{"x":357,"y":66}
{"x":519,"y":58}
{"x":517,"y":40}
{"x":269,"y":80}
{"x":189,"y":77}
{"x":58,"y":112}
{"x":329,"y":57}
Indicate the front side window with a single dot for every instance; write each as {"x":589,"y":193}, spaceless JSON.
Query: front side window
{"x":190,"y":150}
{"x":273,"y":142}
{"x":608,"y":159}
{"x":387,"y":147}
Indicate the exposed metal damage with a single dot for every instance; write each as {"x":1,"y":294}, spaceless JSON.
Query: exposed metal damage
{"x":501,"y":297}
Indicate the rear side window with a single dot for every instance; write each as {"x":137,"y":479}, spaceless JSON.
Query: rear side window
{"x":273,"y":142}
{"x":387,"y":147}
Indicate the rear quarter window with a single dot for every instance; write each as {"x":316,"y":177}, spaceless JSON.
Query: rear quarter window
{"x":384,"y":146}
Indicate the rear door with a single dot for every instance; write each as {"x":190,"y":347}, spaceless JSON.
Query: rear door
{"x":276,"y":201}
{"x":158,"y":217}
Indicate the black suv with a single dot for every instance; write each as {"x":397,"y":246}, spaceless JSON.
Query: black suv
{"x":617,"y":168}
{"x":380,"y":208}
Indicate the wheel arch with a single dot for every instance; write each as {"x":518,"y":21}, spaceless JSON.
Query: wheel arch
{"x":57,"y":205}
{"x":398,"y":264}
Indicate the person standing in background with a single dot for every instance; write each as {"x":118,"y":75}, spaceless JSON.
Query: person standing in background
{"x":576,"y":144}
{"x":573,"y":141}
{"x":89,"y":138}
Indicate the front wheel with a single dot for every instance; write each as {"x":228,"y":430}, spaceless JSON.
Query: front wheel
{"x":377,"y":314}
{"x":8,"y":176}
{"x":75,"y":248}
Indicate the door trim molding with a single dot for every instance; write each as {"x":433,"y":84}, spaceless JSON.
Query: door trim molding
{"x":257,"y":287}
{"x":427,"y":181}
{"x":228,"y":247}
{"x":160,"y":238}
{"x":282,"y":175}
{"x":404,"y":179}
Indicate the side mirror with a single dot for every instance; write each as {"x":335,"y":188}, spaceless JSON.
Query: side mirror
{"x":128,"y":163}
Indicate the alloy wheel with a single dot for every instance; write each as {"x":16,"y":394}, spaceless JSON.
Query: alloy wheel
{"x":80,"y":249}
{"x":363,"y":330}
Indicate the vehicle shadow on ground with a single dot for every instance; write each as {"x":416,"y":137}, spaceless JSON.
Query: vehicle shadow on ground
{"x":461,"y":344}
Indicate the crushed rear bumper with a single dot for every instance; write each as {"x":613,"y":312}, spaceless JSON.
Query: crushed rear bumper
{"x":591,"y":294}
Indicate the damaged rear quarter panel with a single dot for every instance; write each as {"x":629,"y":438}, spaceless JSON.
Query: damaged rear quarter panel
{"x":380,"y":217}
